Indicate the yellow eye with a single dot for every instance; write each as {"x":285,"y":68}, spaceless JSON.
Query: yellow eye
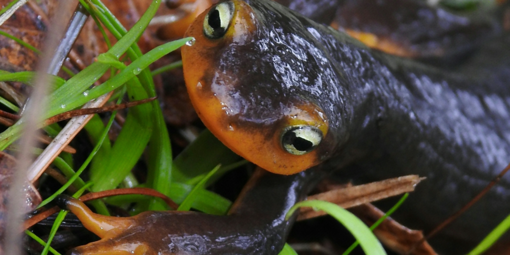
{"x":301,"y":139}
{"x":218,"y":19}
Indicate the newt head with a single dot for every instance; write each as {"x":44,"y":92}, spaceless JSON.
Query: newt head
{"x":262,"y":86}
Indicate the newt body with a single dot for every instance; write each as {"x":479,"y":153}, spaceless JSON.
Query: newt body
{"x":385,"y":116}
{"x":292,"y":95}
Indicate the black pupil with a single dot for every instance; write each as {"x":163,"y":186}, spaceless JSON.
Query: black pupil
{"x":299,"y":143}
{"x":215,"y":20}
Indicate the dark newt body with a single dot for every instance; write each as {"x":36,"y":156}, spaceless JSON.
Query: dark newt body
{"x":381,"y":116}
{"x":386,"y":116}
{"x":414,"y":29}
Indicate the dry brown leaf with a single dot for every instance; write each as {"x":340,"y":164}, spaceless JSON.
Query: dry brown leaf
{"x":362,"y":194}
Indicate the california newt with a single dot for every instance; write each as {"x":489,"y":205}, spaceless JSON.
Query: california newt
{"x":290,"y":95}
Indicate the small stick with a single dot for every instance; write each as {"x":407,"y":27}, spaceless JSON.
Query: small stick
{"x":86,"y":111}
{"x":362,"y":194}
{"x":464,"y":208}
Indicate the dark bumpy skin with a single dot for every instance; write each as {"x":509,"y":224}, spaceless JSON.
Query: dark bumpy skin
{"x":415,"y":29}
{"x":386,"y":116}
{"x":321,"y":11}
{"x":382,"y":116}
{"x":404,"y":27}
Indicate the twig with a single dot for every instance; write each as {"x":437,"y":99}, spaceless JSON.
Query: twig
{"x":362,"y":194}
{"x":86,"y":111}
{"x":464,"y":208}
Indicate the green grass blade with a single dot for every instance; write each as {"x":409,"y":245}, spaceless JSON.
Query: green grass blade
{"x":493,"y":236}
{"x":287,"y":250}
{"x":210,"y":152}
{"x":160,"y":152}
{"x":40,"y":241}
{"x":379,"y":221}
{"x":206,"y":201}
{"x":186,"y":204}
{"x":82,"y":168}
{"x":129,"y":145}
{"x":356,"y":227}
{"x":167,"y":68}
{"x":8,"y":104}
{"x":60,"y":218}
{"x":27,"y":77}
{"x":9,"y":6}
{"x":21,"y":42}
{"x":124,"y":76}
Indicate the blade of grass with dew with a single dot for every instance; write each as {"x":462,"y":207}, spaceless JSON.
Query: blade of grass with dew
{"x":83,"y":80}
{"x":201,"y":156}
{"x":492,"y":237}
{"x":379,"y":221}
{"x":128,"y":73}
{"x":124,"y":44}
{"x":60,"y":218}
{"x":160,"y":152}
{"x":287,"y":250}
{"x":355,"y":226}
{"x":186,"y":204}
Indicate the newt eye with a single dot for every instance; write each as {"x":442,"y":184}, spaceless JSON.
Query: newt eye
{"x":218,"y":19}
{"x":299,"y":140}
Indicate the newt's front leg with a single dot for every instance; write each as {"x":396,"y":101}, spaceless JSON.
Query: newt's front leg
{"x":254,"y":225}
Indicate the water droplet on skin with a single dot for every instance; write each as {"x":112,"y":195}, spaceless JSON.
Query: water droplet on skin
{"x":191,"y":42}
{"x":199,"y":85}
{"x":231,"y":128}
